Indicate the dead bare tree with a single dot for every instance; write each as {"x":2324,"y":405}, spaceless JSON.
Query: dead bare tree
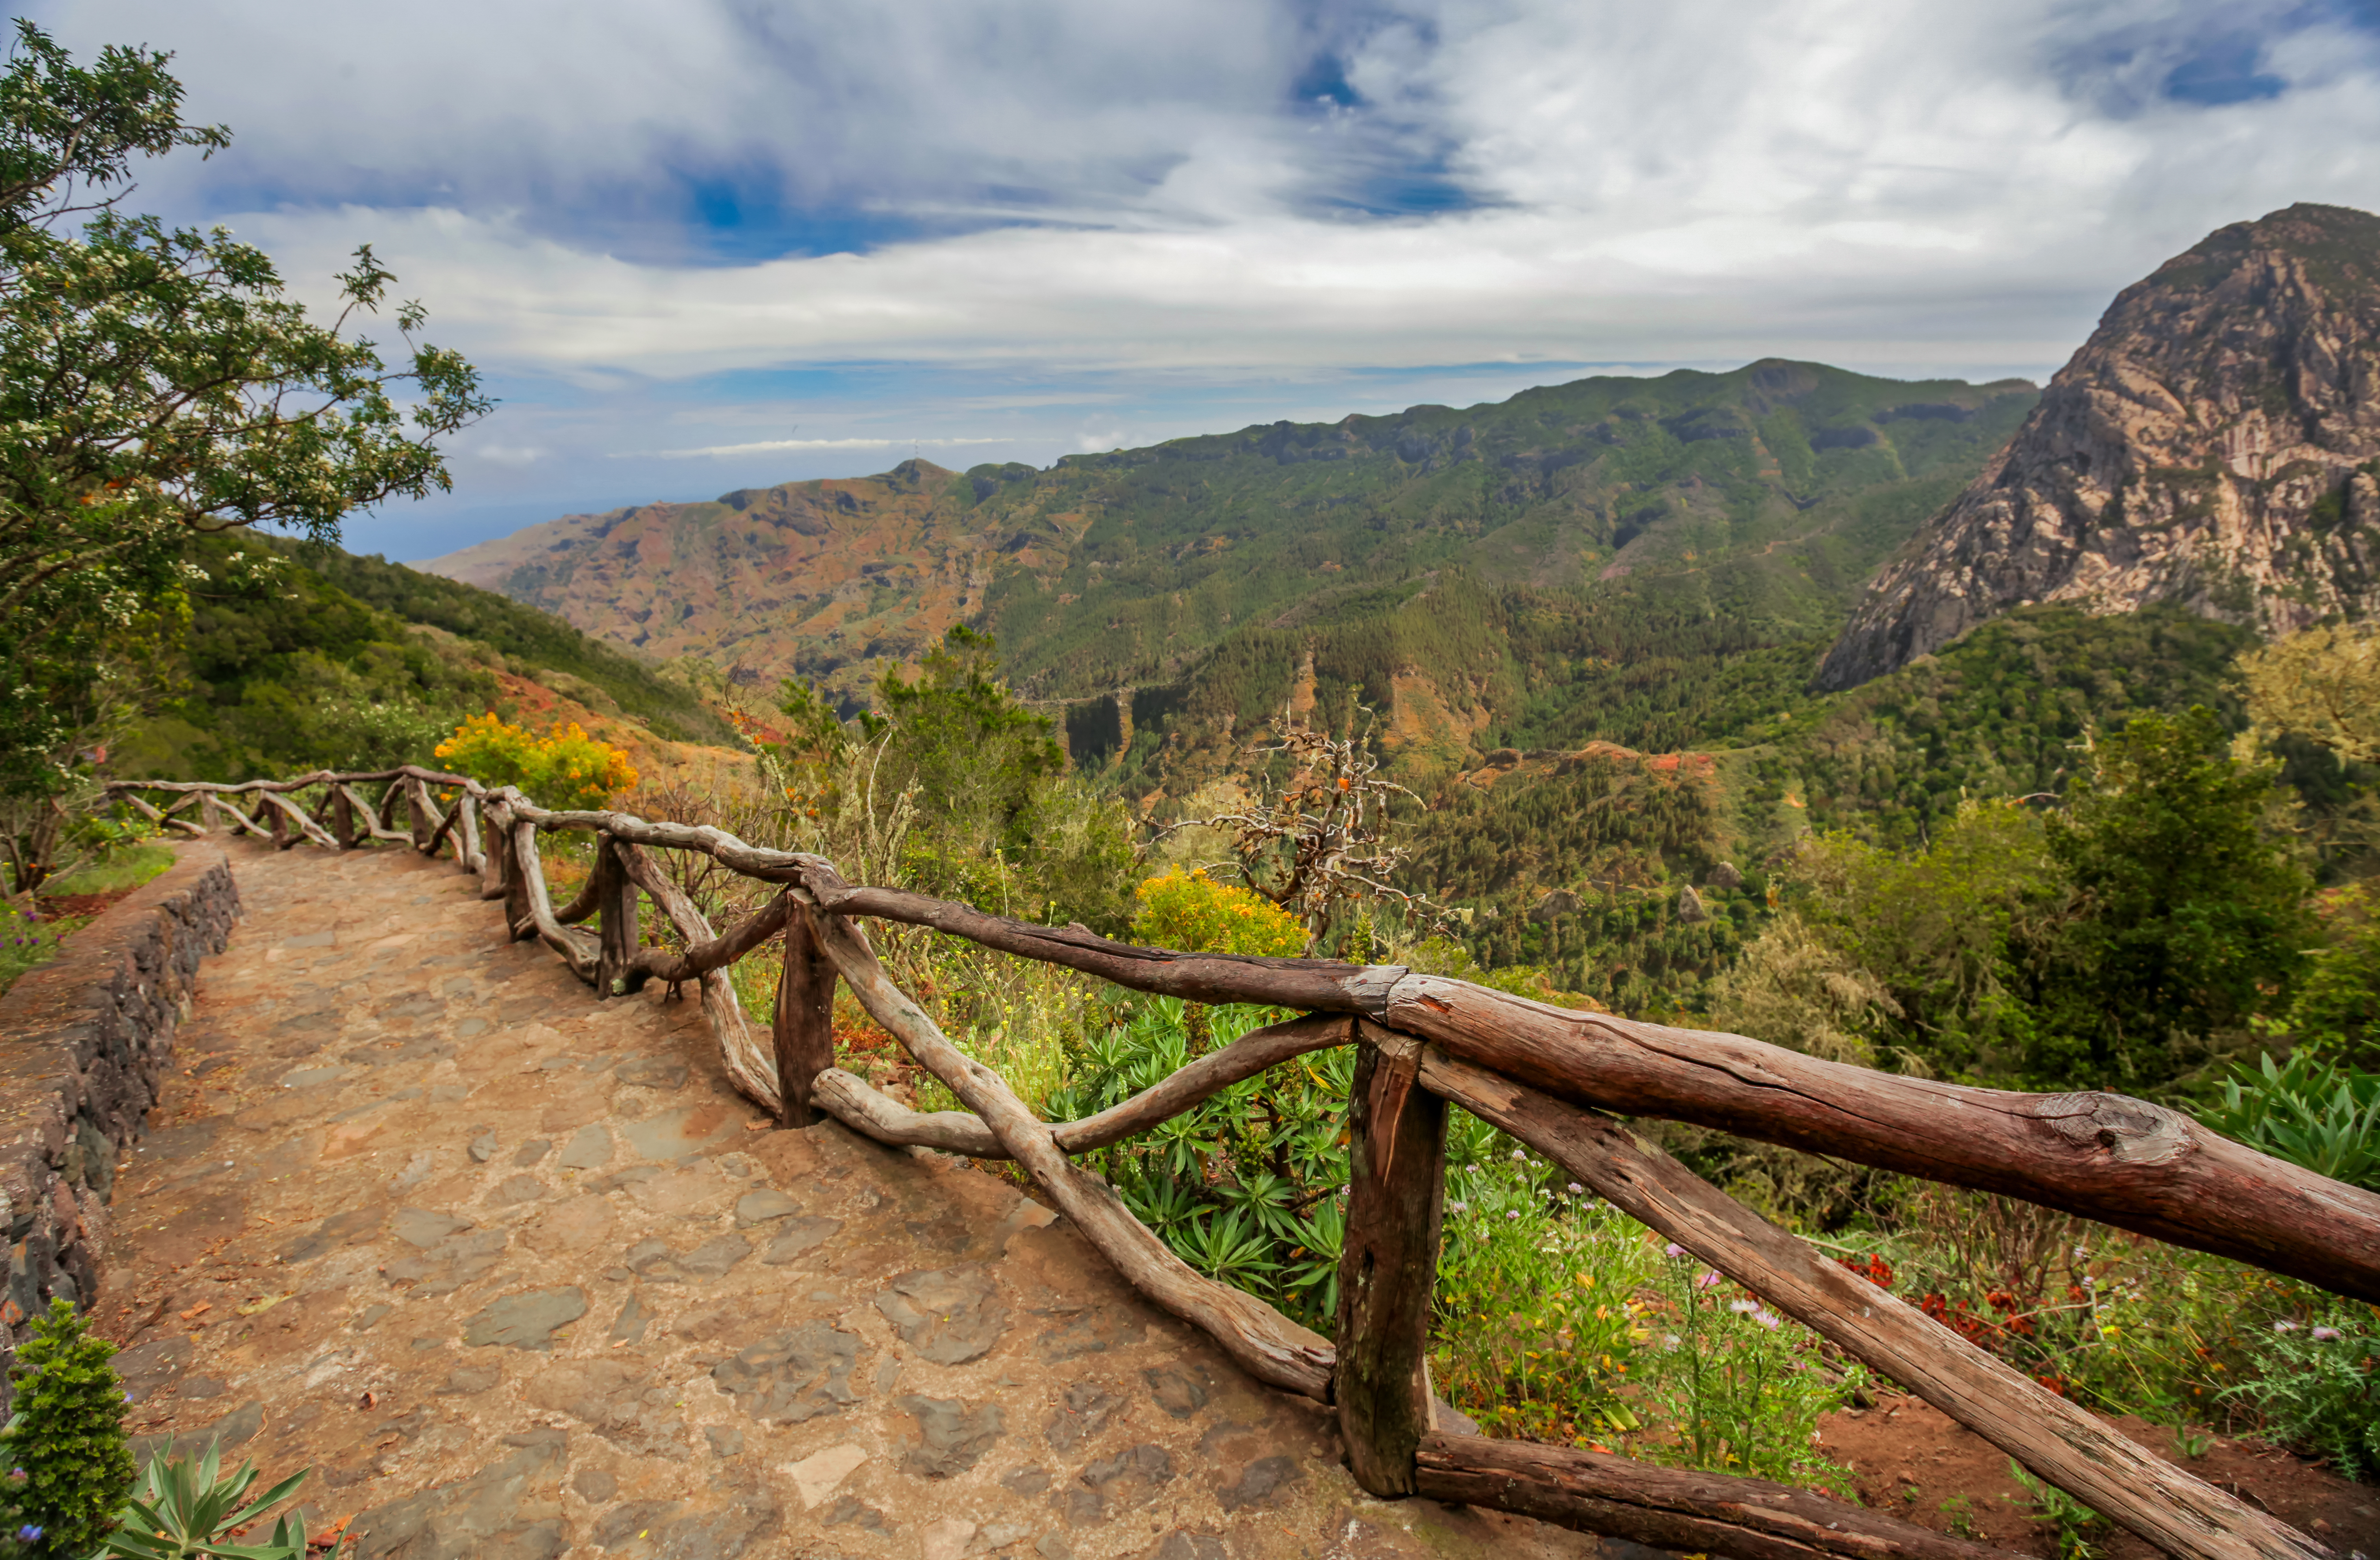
{"x":1314,"y":839}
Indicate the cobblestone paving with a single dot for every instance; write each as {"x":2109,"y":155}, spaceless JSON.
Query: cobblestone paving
{"x":521,"y":1277}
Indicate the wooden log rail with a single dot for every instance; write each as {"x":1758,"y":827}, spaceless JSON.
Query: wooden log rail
{"x":1547,"y":1076}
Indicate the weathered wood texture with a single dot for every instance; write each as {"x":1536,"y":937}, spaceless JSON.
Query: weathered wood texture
{"x":1267,"y":1345}
{"x":2121,"y":1160}
{"x":574,"y":948}
{"x":751,"y":1063}
{"x":2116,"y":1160}
{"x":679,"y":966}
{"x":1388,"y":1265}
{"x":802,"y":1028}
{"x":1671,"y":1508}
{"x":618,"y":903}
{"x":2181,"y":1515}
{"x":889,"y":1121}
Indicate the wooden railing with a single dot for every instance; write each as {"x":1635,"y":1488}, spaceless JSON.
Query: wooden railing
{"x":1545,"y":1075}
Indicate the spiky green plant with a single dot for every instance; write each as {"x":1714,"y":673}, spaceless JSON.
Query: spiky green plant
{"x":186,"y":1510}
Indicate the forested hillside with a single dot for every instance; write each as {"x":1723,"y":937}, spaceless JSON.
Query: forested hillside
{"x":281,"y":657}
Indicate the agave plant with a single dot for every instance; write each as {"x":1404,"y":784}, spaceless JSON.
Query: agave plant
{"x":2310,"y":1113}
{"x":181,"y":1509}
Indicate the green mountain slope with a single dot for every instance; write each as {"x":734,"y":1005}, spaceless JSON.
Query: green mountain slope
{"x":1767,"y":493}
{"x":290,"y":657}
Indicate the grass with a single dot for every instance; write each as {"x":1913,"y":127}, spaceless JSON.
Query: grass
{"x":28,"y":941}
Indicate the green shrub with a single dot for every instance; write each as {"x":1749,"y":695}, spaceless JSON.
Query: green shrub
{"x":2310,"y":1113}
{"x":1741,"y":1386}
{"x":2317,"y":1383}
{"x":67,"y":1435}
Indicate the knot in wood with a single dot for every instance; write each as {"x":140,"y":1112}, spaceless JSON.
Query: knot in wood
{"x":2124,"y":1130}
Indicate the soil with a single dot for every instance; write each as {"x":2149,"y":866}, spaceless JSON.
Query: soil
{"x":1912,"y":1458}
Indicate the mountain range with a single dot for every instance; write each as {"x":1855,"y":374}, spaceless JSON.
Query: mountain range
{"x":1467,"y":574}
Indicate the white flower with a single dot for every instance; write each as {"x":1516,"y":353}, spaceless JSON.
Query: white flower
{"x":1575,"y":1188}
{"x":1765,"y":1320}
{"x":1743,"y":1308}
{"x":1518,"y":1157}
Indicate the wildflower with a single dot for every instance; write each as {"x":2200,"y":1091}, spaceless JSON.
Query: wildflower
{"x":1575,"y":1188}
{"x":1673,"y":1250}
{"x":1711,"y":1281}
{"x":2325,"y":1334}
{"x":29,"y":1533}
{"x":1513,"y":1213}
{"x":1743,"y":1308}
{"x":1459,"y":1207}
{"x":1765,"y":1320}
{"x":2285,"y":1326}
{"x":1518,"y":1157}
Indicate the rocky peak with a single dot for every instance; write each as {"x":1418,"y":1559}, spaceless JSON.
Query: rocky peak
{"x":2214,"y":444}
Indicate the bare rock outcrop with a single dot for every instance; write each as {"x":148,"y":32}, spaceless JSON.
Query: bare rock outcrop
{"x":2214,"y":445}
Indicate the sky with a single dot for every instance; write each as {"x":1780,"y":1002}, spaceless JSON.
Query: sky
{"x":722,"y":243}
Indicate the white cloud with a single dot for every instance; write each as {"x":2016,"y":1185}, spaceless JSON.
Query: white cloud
{"x":765,"y":446}
{"x":1027,"y":198}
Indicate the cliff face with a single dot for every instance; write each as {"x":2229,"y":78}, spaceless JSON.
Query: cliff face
{"x":2214,"y":444}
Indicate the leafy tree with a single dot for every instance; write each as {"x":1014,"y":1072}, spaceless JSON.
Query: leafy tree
{"x":994,"y":812}
{"x":156,"y":384}
{"x":2191,"y":918}
{"x":2323,"y":684}
{"x":67,"y":1434}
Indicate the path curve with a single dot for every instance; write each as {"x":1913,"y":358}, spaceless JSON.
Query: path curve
{"x":522,"y":1277}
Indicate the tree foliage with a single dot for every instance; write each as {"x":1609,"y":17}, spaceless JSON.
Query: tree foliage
{"x":157,"y":384}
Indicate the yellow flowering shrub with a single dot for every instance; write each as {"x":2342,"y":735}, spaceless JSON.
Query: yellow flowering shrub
{"x":565,"y":769}
{"x":1195,"y":914}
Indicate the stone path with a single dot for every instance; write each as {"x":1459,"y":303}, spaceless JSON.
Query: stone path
{"x":521,"y":1277}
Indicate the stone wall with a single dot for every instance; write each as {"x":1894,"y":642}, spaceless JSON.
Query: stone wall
{"x":84,"y":1044}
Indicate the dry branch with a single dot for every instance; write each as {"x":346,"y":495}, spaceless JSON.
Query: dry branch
{"x":296,"y":815}
{"x":751,"y":1065}
{"x":889,"y":1121}
{"x":574,"y":952}
{"x":2181,"y":1515}
{"x":1672,"y":1508}
{"x":1267,"y":1345}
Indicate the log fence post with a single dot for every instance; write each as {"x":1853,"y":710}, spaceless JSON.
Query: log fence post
{"x":616,"y":899}
{"x":1388,"y":1265}
{"x":519,"y":918}
{"x":802,"y":1028}
{"x":425,"y":813}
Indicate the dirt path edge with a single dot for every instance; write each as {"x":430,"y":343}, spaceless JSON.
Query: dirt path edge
{"x":84,"y":1044}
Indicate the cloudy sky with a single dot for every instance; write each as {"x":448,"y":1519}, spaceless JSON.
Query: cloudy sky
{"x":718,"y":242}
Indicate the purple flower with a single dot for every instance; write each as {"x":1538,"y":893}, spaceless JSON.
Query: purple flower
{"x":1673,"y":1250}
{"x":2285,"y":1326}
{"x":1575,"y":1188}
{"x":2325,"y":1334}
{"x":1513,"y":1213}
{"x":1708,"y":1281}
{"x":29,"y":1533}
{"x":1518,"y":1156}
